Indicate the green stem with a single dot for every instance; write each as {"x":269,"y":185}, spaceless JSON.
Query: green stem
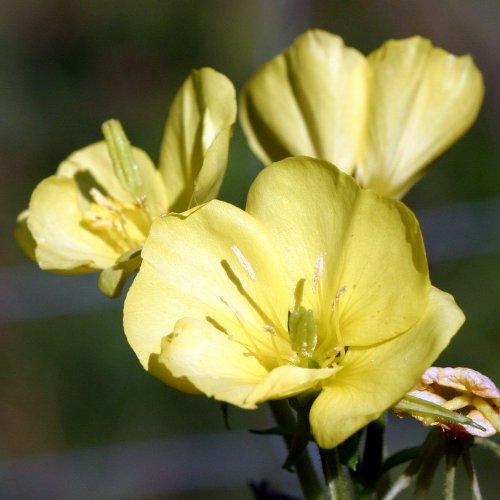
{"x":434,"y":454}
{"x":336,"y":483}
{"x":430,"y":453}
{"x":309,"y":483}
{"x":471,"y":473}
{"x":453,"y":452}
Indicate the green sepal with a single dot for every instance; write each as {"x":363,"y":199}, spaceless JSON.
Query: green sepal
{"x":112,"y":279}
{"x":422,"y":408}
{"x":349,"y":451}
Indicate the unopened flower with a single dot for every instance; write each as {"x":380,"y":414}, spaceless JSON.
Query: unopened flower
{"x":464,"y":391}
{"x":95,"y":212}
{"x":318,"y":287}
{"x":383,"y":118}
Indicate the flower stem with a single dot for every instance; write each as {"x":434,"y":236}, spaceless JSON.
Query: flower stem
{"x":453,"y":452}
{"x":336,"y":483}
{"x":423,"y":466}
{"x":471,"y":473}
{"x":429,"y":464}
{"x":309,"y":483}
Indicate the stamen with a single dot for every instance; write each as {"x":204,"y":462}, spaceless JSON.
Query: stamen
{"x":244,"y":262}
{"x":343,"y":289}
{"x":252,"y":347}
{"x":279,"y":356}
{"x":104,"y":201}
{"x":270,"y":329}
{"x":318,"y":271}
{"x":233,"y":309}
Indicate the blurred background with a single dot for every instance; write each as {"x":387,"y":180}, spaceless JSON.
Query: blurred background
{"x":79,"y":418}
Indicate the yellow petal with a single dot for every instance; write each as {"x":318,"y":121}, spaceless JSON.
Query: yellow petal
{"x":217,"y":366}
{"x":221,"y":368}
{"x":309,"y":100}
{"x":194,"y":149}
{"x":62,"y":242}
{"x":23,"y":235}
{"x":214,"y":264}
{"x":112,"y":279}
{"x":422,"y":100}
{"x":92,"y":167}
{"x":287,"y":381}
{"x":374,"y":379}
{"x":371,"y":246}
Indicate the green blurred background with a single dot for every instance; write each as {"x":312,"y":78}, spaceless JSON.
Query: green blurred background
{"x":79,"y":418}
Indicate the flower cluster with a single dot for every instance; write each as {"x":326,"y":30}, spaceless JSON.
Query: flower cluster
{"x":320,"y":288}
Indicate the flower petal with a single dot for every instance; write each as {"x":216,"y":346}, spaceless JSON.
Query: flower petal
{"x":216,"y":365}
{"x":194,"y":149}
{"x":62,"y":242}
{"x":92,"y":167}
{"x":221,"y":368}
{"x":372,"y":247}
{"x":287,"y":381}
{"x":422,"y":100}
{"x":23,"y":235}
{"x":374,"y":379}
{"x":309,"y":100}
{"x":112,"y":279}
{"x":214,"y":263}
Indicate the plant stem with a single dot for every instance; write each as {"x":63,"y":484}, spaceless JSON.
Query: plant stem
{"x":471,"y":473}
{"x":423,"y":465}
{"x":433,"y":455}
{"x":453,"y":452}
{"x":309,"y":483}
{"x":336,"y":483}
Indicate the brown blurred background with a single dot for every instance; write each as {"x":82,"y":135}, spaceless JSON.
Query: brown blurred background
{"x":79,"y":418}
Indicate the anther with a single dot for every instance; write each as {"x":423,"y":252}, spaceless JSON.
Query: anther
{"x":340,"y":292}
{"x":244,"y":262}
{"x":318,"y":271}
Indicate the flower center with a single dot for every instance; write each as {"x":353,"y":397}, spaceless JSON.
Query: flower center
{"x":307,"y":342}
{"x":123,"y":225}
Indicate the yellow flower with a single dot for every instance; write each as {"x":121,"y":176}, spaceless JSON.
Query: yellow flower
{"x":382,"y":118}
{"x":96,"y":211}
{"x":318,"y":286}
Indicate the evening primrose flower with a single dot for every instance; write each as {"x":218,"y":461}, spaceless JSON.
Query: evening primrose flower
{"x":95,"y":212}
{"x":318,"y":287}
{"x":461,"y":390}
{"x":382,"y":118}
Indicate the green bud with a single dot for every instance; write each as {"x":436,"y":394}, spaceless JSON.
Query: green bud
{"x":422,"y":408}
{"x":120,"y":151}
